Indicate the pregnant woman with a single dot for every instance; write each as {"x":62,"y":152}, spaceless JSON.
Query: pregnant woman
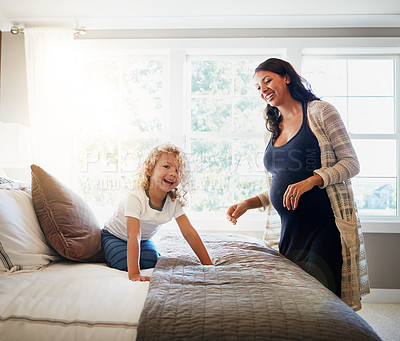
{"x":309,"y":160}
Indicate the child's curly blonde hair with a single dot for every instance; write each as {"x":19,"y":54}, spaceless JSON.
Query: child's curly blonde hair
{"x":143,"y":179}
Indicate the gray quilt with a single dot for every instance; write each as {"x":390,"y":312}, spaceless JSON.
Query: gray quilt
{"x":252,"y":293}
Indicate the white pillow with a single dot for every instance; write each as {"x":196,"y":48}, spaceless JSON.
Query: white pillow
{"x":22,"y":242}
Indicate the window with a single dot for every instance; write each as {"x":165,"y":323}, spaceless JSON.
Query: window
{"x":363,"y":91}
{"x":225,"y":133}
{"x":122,"y":115}
{"x":204,"y":100}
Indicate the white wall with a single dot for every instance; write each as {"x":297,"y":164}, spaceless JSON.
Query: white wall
{"x":13,"y":96}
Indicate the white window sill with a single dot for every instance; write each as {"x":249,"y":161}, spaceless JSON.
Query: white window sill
{"x":380,"y":224}
{"x":254,"y":224}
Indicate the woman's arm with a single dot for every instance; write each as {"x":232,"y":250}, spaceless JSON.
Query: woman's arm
{"x":194,"y":240}
{"x":133,"y":250}
{"x":326,"y":121}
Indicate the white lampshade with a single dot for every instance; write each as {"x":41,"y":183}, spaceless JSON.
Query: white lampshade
{"x":15,"y":146}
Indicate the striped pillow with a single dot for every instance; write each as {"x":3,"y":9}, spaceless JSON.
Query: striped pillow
{"x":22,"y":243}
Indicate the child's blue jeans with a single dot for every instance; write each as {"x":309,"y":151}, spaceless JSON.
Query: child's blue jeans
{"x":114,"y":250}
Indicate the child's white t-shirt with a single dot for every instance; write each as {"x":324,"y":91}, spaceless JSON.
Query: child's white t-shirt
{"x":138,"y":205}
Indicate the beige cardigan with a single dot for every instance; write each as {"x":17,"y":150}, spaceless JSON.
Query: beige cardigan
{"x":338,"y":164}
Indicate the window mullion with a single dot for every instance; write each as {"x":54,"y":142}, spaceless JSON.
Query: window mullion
{"x":175,"y":122}
{"x":373,"y":136}
{"x":397,"y":126}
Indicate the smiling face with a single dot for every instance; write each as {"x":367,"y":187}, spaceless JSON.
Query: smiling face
{"x":272,"y":87}
{"x":165,"y":175}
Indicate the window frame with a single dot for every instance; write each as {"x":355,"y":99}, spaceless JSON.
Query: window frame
{"x":395,"y":135}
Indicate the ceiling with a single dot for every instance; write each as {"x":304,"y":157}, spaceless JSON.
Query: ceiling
{"x":181,"y":14}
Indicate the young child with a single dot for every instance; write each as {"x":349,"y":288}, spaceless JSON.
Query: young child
{"x":159,"y":197}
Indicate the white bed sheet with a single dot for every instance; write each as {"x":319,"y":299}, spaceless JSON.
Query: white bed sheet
{"x":70,"y":301}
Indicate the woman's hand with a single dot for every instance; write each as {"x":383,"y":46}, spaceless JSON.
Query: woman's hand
{"x":295,"y":191}
{"x":139,"y":277}
{"x":235,"y":211}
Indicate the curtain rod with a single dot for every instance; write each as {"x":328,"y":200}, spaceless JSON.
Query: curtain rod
{"x":77,"y":31}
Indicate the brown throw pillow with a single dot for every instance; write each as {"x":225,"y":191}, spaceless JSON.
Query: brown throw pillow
{"x":66,"y":220}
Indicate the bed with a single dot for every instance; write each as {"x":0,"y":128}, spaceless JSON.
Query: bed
{"x":251,"y":293}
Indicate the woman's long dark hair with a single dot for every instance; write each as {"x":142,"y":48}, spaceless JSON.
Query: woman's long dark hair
{"x":299,"y":89}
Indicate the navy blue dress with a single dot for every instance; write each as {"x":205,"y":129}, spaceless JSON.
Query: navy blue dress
{"x":309,"y":236}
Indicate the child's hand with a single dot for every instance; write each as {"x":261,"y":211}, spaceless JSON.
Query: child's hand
{"x":139,"y":277}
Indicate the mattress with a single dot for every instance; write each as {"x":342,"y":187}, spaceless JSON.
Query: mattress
{"x":70,"y":301}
